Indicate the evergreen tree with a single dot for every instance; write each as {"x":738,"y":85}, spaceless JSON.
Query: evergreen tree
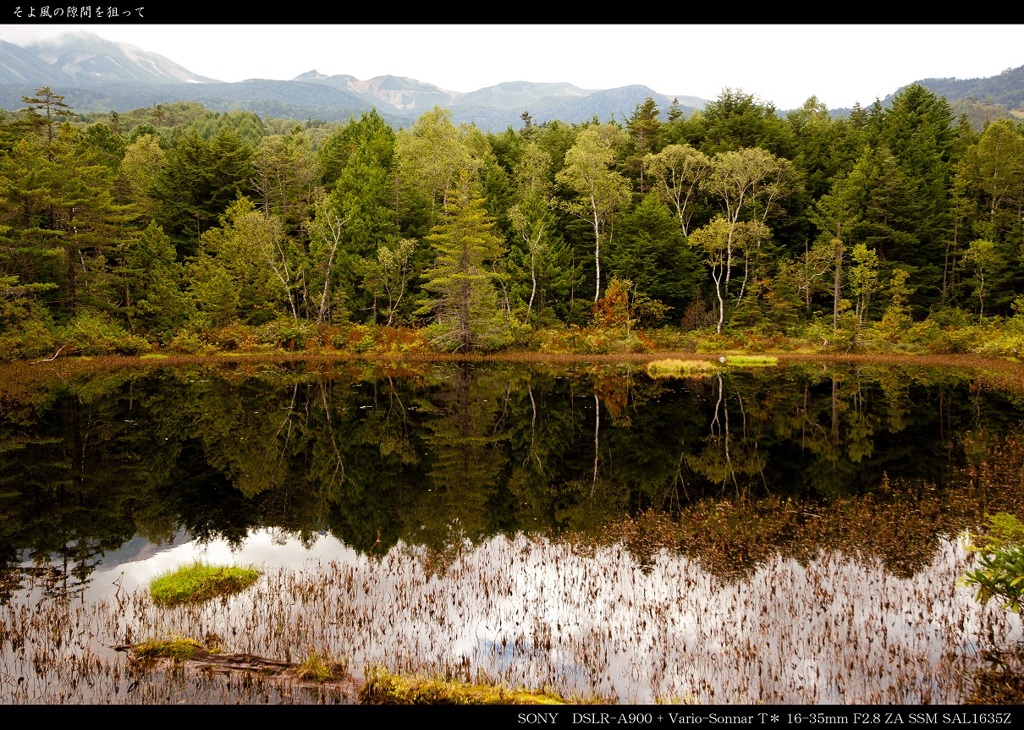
{"x":644,"y":130}
{"x":918,"y":132}
{"x":360,"y":209}
{"x":199,"y":181}
{"x":464,"y":302}
{"x":151,"y":279}
{"x":736,"y":120}
{"x":46,"y":111}
{"x":649,"y":251}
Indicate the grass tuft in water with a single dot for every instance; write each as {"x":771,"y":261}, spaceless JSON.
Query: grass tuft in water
{"x":384,"y":688}
{"x":318,"y":668}
{"x":178,"y":649}
{"x":671,"y":368}
{"x":200,"y":582}
{"x":751,"y":361}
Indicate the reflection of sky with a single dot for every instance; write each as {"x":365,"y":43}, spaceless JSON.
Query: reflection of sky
{"x":537,"y":613}
{"x":140,"y":561}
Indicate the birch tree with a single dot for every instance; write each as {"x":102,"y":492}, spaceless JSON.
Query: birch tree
{"x":600,"y":191}
{"x":677,"y":172}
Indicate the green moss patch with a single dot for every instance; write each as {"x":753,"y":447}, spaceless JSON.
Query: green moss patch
{"x":178,"y":649}
{"x":200,"y":582}
{"x":384,"y":688}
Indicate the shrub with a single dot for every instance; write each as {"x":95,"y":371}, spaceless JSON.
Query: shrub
{"x":287,"y":334}
{"x":190,"y":343}
{"x":1001,"y":562}
{"x":94,"y":333}
{"x":29,"y":339}
{"x":233,"y":337}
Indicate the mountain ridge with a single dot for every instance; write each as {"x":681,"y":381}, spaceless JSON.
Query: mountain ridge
{"x":97,"y":75}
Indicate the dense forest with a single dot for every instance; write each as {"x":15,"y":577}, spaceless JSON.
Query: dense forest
{"x":894,"y":228}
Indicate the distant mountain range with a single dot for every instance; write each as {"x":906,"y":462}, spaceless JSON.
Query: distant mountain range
{"x":97,"y":75}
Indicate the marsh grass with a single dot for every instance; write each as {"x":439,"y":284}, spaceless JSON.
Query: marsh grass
{"x":200,"y":582}
{"x":384,"y":688}
{"x":672,"y":368}
{"x":751,"y":361}
{"x":178,"y":648}
{"x":318,"y":668}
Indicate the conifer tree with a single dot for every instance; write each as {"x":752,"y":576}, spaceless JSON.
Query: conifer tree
{"x":461,"y":280}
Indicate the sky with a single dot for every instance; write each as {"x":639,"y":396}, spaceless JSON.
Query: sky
{"x":783,"y":64}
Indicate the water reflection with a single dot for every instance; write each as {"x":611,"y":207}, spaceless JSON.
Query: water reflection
{"x":591,"y":622}
{"x":587,"y":528}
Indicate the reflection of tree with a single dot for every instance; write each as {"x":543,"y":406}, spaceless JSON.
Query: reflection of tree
{"x":899,"y":524}
{"x":464,"y":440}
{"x":725,"y":458}
{"x":542,"y":454}
{"x":382,"y":450}
{"x":70,"y":478}
{"x":374,"y":454}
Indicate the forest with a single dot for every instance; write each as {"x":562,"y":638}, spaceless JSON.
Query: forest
{"x":174,"y":228}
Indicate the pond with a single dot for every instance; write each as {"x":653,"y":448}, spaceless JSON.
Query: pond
{"x":789,"y":534}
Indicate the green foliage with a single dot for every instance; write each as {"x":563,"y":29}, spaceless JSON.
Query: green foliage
{"x":246,"y":269}
{"x":599,"y":190}
{"x":139,"y":169}
{"x":141,"y":216}
{"x":1000,"y":550}
{"x":289,"y":334}
{"x":198,"y":182}
{"x":190,"y":342}
{"x":649,"y":250}
{"x":431,"y":157}
{"x":200,"y":582}
{"x":95,"y":333}
{"x":353,"y":221}
{"x":151,"y":280}
{"x":736,"y":120}
{"x":25,"y":327}
{"x":464,"y":305}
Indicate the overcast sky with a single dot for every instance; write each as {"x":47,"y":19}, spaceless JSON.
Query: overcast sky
{"x":783,"y":64}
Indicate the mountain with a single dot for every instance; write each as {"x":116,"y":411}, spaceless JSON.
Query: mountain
{"x":403,"y":93}
{"x":494,"y":107}
{"x":979,"y":100}
{"x":96,"y":75}
{"x":19,"y":66}
{"x":1006,"y":89}
{"x":87,"y":59}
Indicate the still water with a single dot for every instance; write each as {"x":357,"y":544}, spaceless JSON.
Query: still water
{"x":788,"y":535}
